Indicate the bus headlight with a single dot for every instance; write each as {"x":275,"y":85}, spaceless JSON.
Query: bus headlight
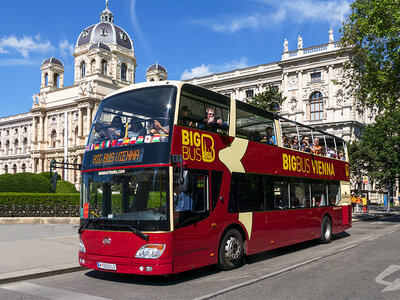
{"x":82,"y":246}
{"x":151,"y":251}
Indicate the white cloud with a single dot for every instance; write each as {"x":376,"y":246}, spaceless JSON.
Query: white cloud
{"x":24,"y":45}
{"x":66,"y":49}
{"x":205,"y":70}
{"x":300,"y":11}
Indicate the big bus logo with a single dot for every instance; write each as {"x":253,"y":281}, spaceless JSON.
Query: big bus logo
{"x":197,"y":147}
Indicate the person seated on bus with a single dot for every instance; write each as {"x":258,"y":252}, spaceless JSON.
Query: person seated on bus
{"x":331,"y":153}
{"x":136,"y":128}
{"x":286,"y":141}
{"x":115,"y":130}
{"x":295,"y":203}
{"x":185,"y":116}
{"x":161,"y":129}
{"x":269,"y":138}
{"x":182,"y":201}
{"x":211,"y":122}
{"x":305,"y":145}
{"x":341,"y":155}
{"x":316,"y":148}
{"x":295,"y":143}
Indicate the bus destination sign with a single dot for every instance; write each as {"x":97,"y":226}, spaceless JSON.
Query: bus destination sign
{"x":120,"y":156}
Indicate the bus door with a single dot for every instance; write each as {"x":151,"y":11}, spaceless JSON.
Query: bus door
{"x":192,"y":228}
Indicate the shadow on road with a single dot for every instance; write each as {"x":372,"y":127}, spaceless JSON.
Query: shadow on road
{"x":205,"y":271}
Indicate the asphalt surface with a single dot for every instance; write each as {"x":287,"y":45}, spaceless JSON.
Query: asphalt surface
{"x":38,"y":250}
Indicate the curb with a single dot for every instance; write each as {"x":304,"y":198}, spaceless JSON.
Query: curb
{"x":40,"y":220}
{"x":38,"y":273}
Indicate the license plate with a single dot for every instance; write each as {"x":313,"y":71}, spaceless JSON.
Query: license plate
{"x":106,"y":266}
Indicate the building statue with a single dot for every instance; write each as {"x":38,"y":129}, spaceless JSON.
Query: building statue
{"x":299,"y":42}
{"x":285,"y":46}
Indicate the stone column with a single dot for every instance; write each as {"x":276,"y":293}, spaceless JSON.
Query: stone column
{"x":80,"y":122}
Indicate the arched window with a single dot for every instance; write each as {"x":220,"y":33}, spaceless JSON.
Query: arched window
{"x":83,"y":69}
{"x":14,"y":168}
{"x":46,"y":79}
{"x":5,"y":169}
{"x":104,"y":67}
{"x":16,"y":146}
{"x":123,"y":72}
{"x":56,"y":80}
{"x":316,"y":106}
{"x":25,"y":145}
{"x":53,"y":139}
{"x":92,"y":66}
{"x":23,"y":168}
{"x":7,"y":148}
{"x":76,"y":136}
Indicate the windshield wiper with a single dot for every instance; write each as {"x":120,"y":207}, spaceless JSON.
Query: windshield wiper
{"x":140,"y":234}
{"x":84,"y":225}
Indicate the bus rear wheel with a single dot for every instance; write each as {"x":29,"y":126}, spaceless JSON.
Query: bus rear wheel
{"x":326,"y":230}
{"x":230,"y":254}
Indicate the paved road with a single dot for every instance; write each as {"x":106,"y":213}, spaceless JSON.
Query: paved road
{"x":360,"y":264}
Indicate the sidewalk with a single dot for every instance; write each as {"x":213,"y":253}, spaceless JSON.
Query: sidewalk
{"x":38,"y":247}
{"x":37,"y":250}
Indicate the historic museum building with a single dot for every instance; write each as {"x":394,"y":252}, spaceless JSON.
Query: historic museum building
{"x":58,"y":124}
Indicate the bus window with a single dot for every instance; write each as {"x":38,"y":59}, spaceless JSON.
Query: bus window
{"x":254,"y":124}
{"x":246,"y":193}
{"x":318,"y":194}
{"x":191,"y":199}
{"x":203,"y":109}
{"x":333,"y":194}
{"x":297,"y":195}
{"x":281,"y":195}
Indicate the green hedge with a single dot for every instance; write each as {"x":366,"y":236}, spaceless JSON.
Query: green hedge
{"x":38,"y":199}
{"x":47,"y":175}
{"x":24,"y":183}
{"x":65,"y":187}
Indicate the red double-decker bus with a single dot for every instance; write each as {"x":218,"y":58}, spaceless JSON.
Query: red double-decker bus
{"x":177,"y":177}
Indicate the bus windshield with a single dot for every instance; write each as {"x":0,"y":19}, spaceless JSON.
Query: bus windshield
{"x":138,"y":116}
{"x":122,"y":199}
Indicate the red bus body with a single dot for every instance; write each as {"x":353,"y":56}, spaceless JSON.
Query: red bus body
{"x":198,"y":244}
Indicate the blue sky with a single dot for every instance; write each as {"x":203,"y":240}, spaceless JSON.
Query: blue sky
{"x":189,"y":37}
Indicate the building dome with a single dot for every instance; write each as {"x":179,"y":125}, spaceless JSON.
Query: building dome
{"x":105,"y":32}
{"x":53,"y":60}
{"x":100,"y":45}
{"x":156,"y":67}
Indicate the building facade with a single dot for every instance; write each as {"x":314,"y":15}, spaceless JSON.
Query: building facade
{"x":59,"y":122}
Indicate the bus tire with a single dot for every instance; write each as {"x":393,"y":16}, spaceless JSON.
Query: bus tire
{"x":326,"y":230}
{"x":230,"y":254}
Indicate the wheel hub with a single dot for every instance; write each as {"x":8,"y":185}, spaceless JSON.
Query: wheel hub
{"x":232,"y":249}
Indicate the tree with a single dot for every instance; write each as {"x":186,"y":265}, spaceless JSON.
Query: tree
{"x":378,"y":151}
{"x":372,"y":36}
{"x":271,"y":99}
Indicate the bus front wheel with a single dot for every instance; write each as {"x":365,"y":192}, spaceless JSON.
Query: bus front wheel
{"x":230,"y":254}
{"x":326,"y":230}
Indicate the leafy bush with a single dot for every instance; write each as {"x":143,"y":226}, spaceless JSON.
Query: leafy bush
{"x":24,"y":183}
{"x":47,"y":175}
{"x":65,"y":187}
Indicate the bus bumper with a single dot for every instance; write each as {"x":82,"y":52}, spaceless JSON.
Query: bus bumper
{"x":127,"y":265}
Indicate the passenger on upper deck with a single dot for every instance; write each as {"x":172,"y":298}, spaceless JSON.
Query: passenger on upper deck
{"x":185,"y":117}
{"x":316,"y":148}
{"x":341,"y":155}
{"x":269,"y":138}
{"x":115,"y":130}
{"x":136,"y":128}
{"x":285,"y":141}
{"x":295,"y":143}
{"x":305,"y":145}
{"x":212,"y":123}
{"x":162,"y":130}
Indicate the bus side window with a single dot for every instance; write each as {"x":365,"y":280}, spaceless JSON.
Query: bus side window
{"x":216,"y":181}
{"x":281,"y":195}
{"x":191,"y":205}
